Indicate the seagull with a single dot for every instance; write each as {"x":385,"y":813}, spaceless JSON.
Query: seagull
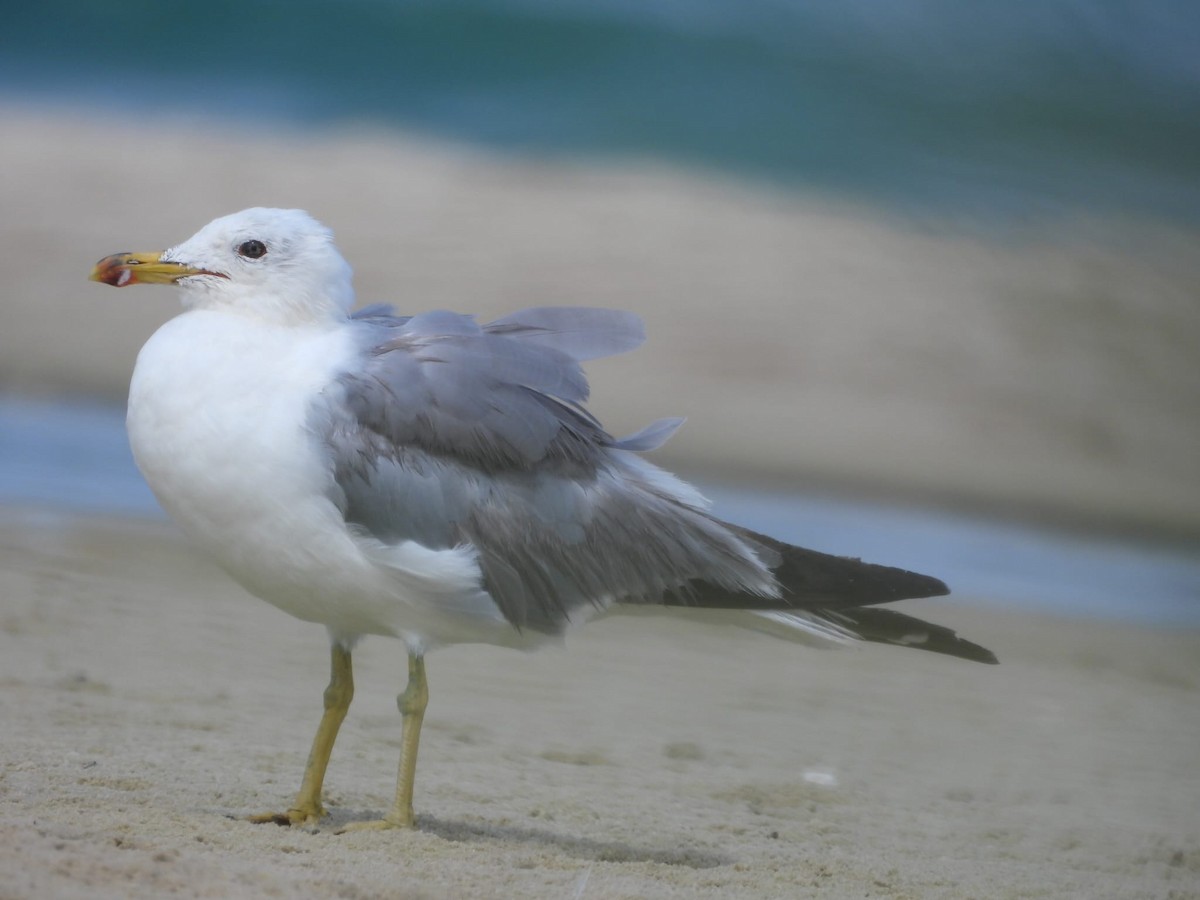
{"x":437,"y":480}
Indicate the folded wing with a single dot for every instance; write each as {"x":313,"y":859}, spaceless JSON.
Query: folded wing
{"x":450,"y":433}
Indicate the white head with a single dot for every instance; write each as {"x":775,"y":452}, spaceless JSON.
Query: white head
{"x":275,"y":264}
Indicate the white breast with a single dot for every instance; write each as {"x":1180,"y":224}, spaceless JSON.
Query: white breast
{"x":218,"y":415}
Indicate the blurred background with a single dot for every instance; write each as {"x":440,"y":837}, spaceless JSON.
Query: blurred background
{"x":924,"y":277}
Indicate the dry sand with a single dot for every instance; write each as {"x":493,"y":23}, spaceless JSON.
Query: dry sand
{"x":148,"y":704}
{"x":1050,"y":368}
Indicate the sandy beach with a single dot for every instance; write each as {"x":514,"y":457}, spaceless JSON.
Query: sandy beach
{"x":1045,"y":370}
{"x":149,"y":704}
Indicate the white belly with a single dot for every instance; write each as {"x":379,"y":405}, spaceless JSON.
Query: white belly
{"x":218,"y":418}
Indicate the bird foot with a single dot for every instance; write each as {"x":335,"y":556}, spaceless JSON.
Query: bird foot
{"x":385,"y":824}
{"x":306,"y":815}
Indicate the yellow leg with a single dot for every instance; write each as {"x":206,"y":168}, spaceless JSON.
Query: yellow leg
{"x":307,"y":808}
{"x":412,"y":705}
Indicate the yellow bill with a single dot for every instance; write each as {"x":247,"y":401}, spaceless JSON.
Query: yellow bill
{"x":124,"y":269}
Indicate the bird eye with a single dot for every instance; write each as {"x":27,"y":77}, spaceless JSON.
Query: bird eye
{"x":252,"y":249}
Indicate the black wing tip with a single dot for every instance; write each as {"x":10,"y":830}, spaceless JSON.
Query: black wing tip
{"x":937,"y":587}
{"x":812,"y":578}
{"x":915,"y":586}
{"x":887,"y":626}
{"x":975,"y":653}
{"x":877,"y":584}
{"x":942,"y":641}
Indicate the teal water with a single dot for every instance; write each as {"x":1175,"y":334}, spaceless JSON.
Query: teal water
{"x":75,"y":458}
{"x":998,"y":108}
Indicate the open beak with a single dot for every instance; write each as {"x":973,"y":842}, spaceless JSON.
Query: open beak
{"x":123,"y":269}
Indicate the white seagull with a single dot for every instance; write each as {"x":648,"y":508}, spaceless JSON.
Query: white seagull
{"x":436,"y":480}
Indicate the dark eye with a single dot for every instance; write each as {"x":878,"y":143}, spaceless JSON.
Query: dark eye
{"x":252,"y":249}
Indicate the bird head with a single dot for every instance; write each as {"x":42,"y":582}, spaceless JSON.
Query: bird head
{"x":276,"y":264}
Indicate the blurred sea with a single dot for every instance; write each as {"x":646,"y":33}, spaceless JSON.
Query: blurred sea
{"x":997,"y":109}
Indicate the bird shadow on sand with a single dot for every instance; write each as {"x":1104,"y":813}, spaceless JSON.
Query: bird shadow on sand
{"x":577,"y":847}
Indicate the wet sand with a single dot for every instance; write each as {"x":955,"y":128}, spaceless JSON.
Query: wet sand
{"x":149,"y":705}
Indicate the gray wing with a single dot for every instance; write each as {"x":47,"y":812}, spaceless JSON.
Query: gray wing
{"x":502,"y":396}
{"x":448,"y":432}
{"x":451,"y":433}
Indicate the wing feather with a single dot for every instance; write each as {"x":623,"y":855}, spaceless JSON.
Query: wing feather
{"x":580,"y":333}
{"x":454,"y":434}
{"x":504,"y":395}
{"x":449,"y":433}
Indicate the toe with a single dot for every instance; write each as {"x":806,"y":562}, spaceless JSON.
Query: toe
{"x":375,"y":825}
{"x":294,"y":816}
